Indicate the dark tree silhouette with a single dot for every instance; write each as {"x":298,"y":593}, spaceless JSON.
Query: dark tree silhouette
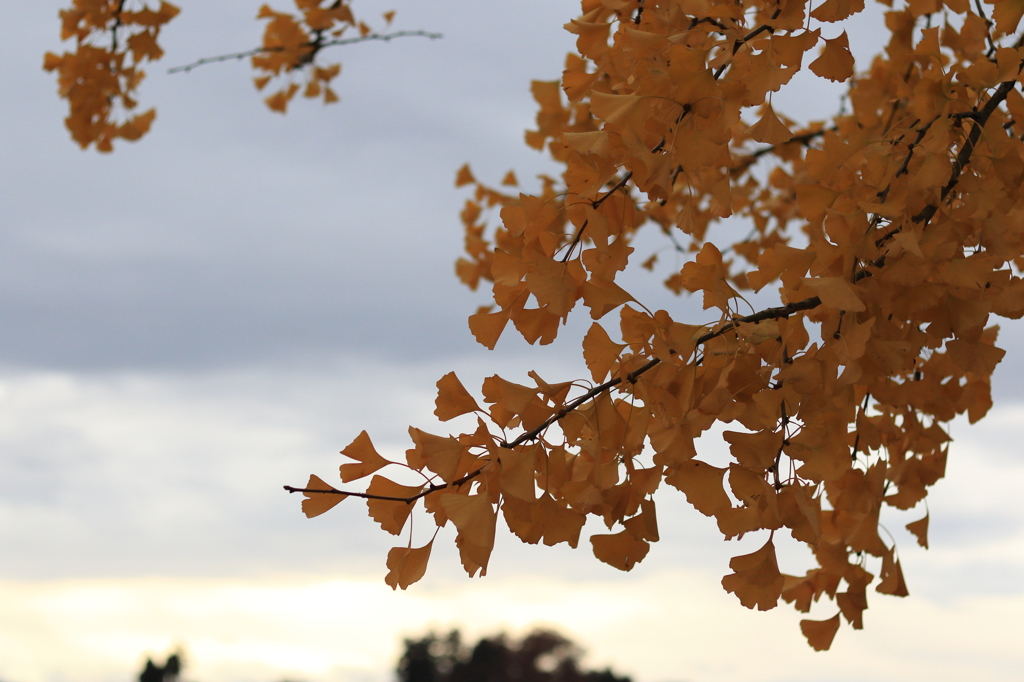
{"x":168,"y":672}
{"x":542,"y":656}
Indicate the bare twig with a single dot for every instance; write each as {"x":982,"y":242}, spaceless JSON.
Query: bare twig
{"x":385,"y":37}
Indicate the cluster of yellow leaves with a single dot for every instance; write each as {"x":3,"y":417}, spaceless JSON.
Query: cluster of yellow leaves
{"x":99,"y":79}
{"x":892,"y":234}
{"x":291,"y":43}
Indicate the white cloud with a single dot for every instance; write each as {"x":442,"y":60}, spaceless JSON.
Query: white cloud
{"x":141,"y":510}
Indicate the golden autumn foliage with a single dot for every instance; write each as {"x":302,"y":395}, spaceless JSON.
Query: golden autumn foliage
{"x":889,"y":238}
{"x":891,"y":235}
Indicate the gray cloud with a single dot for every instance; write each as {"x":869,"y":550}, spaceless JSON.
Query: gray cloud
{"x":232,"y":234}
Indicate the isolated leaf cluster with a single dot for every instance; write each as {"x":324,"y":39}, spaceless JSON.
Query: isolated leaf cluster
{"x":291,"y":42}
{"x":99,"y":80}
{"x":100,"y":77}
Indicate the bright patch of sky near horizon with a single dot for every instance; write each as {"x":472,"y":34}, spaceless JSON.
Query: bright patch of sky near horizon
{"x":215,"y":311}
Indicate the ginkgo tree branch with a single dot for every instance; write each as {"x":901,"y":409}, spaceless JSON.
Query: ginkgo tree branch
{"x":803,"y":139}
{"x":575,"y":403}
{"x":794,"y":400}
{"x":980,"y":118}
{"x":988,"y":28}
{"x":385,"y":37}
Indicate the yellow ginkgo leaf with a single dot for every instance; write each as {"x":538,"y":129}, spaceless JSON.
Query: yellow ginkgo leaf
{"x":920,"y":530}
{"x":474,"y":517}
{"x":1007,"y":14}
{"x":769,"y":129}
{"x":836,"y":292}
{"x":437,"y":453}
{"x":464,"y":176}
{"x":369,"y":461}
{"x":393,"y":511}
{"x":756,"y":579}
{"x":836,"y":61}
{"x":702,"y":485}
{"x":407,"y":565}
{"x":453,"y":399}
{"x":621,"y":550}
{"x":600,"y":352}
{"x":837,"y":10}
{"x":316,"y":503}
{"x":820,"y":633}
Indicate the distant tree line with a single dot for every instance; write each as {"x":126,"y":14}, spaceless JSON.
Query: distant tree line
{"x":541,"y":656}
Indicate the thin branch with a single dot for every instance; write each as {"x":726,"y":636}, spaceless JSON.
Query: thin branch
{"x":595,"y":203}
{"x":988,"y":29}
{"x":748,"y":160}
{"x":117,"y":25}
{"x":802,"y":139}
{"x":707,"y":20}
{"x":330,"y":43}
{"x":921,"y":132}
{"x":368,"y":496}
{"x":575,"y":241}
{"x":856,"y":440}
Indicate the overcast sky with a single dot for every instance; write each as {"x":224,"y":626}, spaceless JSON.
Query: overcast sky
{"x":208,"y":314}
